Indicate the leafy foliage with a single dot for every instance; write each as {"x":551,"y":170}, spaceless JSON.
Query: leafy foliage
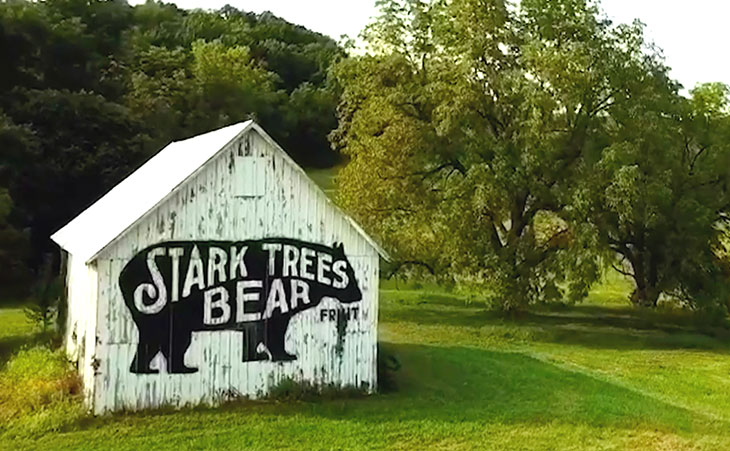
{"x":660,"y":198}
{"x":13,"y":250}
{"x":515,"y":150}
{"x":91,"y":89}
{"x":47,"y":293}
{"x":469,"y":126}
{"x":15,"y":142}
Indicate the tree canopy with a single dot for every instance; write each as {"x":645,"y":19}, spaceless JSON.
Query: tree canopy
{"x":658,"y":198}
{"x":92,"y":88}
{"x":497,"y":145}
{"x":515,"y":150}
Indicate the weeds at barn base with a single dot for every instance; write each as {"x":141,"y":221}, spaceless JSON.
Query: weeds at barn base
{"x":39,"y":393}
{"x":288,"y":390}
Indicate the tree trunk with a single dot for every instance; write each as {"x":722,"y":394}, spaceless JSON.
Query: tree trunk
{"x":646,"y":293}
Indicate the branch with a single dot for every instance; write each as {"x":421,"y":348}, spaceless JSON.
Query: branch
{"x":454,"y":164}
{"x":552,"y":242}
{"x":694,"y":159}
{"x":551,"y":245}
{"x":604,"y":103}
{"x":399,"y":265}
{"x":498,"y":226}
{"x":620,"y":271}
{"x":621,"y":248}
{"x":392,"y":209}
{"x":494,"y":123}
{"x":708,"y":183}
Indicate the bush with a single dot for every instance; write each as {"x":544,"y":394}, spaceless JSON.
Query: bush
{"x":39,"y":393}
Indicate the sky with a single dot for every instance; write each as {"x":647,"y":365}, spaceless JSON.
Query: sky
{"x":693,"y":34}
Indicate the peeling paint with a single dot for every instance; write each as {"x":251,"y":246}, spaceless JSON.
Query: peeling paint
{"x":342,"y":321}
{"x":337,"y":352}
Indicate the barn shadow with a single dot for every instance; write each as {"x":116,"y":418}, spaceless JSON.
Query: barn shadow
{"x":9,"y":345}
{"x":440,"y":386}
{"x":460,"y":384}
{"x":16,"y":333}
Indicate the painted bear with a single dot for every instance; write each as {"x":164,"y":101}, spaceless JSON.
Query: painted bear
{"x":175,"y":288}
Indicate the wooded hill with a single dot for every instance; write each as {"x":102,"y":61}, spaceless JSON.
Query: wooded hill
{"x":90,"y":89}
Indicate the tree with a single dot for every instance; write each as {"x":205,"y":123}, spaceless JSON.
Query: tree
{"x":13,"y":252}
{"x":162,"y":93}
{"x":660,"y":197}
{"x":193,"y":71}
{"x":232,"y":85}
{"x":85,"y":146}
{"x":16,"y":145}
{"x":90,"y":88}
{"x":46,"y":299}
{"x":468,"y":128}
{"x":309,"y":111}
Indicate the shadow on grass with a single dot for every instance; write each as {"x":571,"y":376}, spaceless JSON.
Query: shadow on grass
{"x":454,"y":384}
{"x":441,"y":389}
{"x":11,"y":344}
{"x":586,"y":326}
{"x":418,"y":297}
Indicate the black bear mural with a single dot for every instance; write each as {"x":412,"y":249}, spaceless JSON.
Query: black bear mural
{"x":175,"y":288}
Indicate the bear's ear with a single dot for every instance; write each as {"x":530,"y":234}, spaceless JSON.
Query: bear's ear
{"x":339,"y":248}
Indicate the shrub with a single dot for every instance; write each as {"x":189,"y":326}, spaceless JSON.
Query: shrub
{"x":39,"y":393}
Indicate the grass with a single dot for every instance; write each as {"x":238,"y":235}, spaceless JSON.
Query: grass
{"x":15,"y":332}
{"x":597,"y":375}
{"x":38,"y":388}
{"x":325,"y":179}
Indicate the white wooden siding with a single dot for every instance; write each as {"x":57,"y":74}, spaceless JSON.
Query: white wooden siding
{"x":80,"y":339}
{"x":206,"y":207}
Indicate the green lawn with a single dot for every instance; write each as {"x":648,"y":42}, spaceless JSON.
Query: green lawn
{"x":598,"y":375}
{"x":15,"y":331}
{"x":325,"y":179}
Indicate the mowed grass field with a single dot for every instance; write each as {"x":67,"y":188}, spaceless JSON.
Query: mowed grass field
{"x":599,"y":375}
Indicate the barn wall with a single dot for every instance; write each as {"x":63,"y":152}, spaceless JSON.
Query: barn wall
{"x":81,"y":283}
{"x":203,"y":208}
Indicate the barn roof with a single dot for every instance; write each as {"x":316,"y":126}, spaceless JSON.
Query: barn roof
{"x":125,"y":204}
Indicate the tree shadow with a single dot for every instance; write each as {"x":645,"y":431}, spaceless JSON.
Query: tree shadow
{"x":586,"y":326}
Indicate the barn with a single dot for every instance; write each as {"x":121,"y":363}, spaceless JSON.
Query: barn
{"x":217,"y":270}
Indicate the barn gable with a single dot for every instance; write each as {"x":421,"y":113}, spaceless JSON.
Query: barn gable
{"x":138,"y":194}
{"x":229,"y":185}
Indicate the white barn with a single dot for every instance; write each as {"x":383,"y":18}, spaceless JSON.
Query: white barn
{"x":212,"y":272}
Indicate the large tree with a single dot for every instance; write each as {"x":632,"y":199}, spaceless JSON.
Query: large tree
{"x":469,"y":126}
{"x":660,"y":195}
